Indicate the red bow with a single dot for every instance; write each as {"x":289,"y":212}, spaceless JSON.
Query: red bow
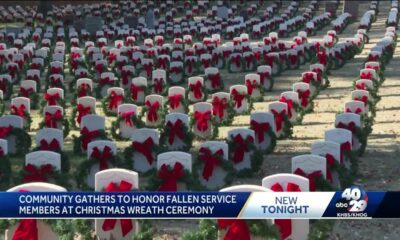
{"x":106,"y":81}
{"x":127,"y":116}
{"x":219,"y":106}
{"x":293,"y":59}
{"x":263,"y":77}
{"x":202,"y":119}
{"x":99,"y":67}
{"x":147,"y":68}
{"x":102,"y":157}
{"x":357,"y":111}
{"x":304,"y":96}
{"x":54,"y":145}
{"x":196,"y":89}
{"x":250,"y":86}
{"x":289,"y":103}
{"x":366,"y":75}
{"x":238,"y":229}
{"x":269,"y":60}
{"x":175,"y":129}
{"x":145,"y":149}
{"x":27,"y":230}
{"x":322,"y":57}
{"x":135,"y":91}
{"x":240,"y":147}
{"x":114,"y":100}
{"x":83,"y":88}
{"x":25,"y":92}
{"x":55,"y":70}
{"x":330,"y":161}
{"x":88,"y":136}
{"x":36,"y":174}
{"x":362,"y":86}
{"x":279,"y":118}
{"x":373,"y":58}
{"x":51,"y":98}
{"x":125,"y":77}
{"x":210,"y":160}
{"x":310,"y":176}
{"x":111,"y":58}
{"x":236,"y":60}
{"x":126,"y":224}
{"x":237,"y":97}
{"x":308,"y":77}
{"x":20,"y":111}
{"x":351,"y":126}
{"x":215,"y":80}
{"x":176,"y":70}
{"x":285,"y":225}
{"x":249,"y":60}
{"x":344,"y":147}
{"x":5,"y":131}
{"x":259,"y":129}
{"x":82,"y":111}
{"x":158,"y":85}
{"x":170,"y":177}
{"x":162,"y":63}
{"x":174,"y":100}
{"x":362,"y":99}
{"x":153,"y":108}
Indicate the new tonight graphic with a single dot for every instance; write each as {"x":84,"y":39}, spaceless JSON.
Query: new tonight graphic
{"x":350,"y":203}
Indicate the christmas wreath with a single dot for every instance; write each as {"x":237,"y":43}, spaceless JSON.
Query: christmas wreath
{"x":200,"y":120}
{"x":44,"y":173}
{"x":5,"y":171}
{"x":172,"y":131}
{"x":111,"y":102}
{"x":153,"y":112}
{"x":23,"y":141}
{"x":130,"y":119}
{"x":80,"y":143}
{"x":20,"y":111}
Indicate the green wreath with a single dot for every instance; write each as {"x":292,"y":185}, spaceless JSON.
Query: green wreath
{"x":240,"y":69}
{"x":34,"y":97}
{"x":256,"y":159}
{"x":187,"y":139}
{"x":73,"y":124}
{"x":287,"y":128}
{"x":65,"y":164}
{"x":9,"y":89}
{"x":191,"y":180}
{"x":203,"y":90}
{"x":230,"y":115}
{"x":56,"y":176}
{"x":60,"y":102}
{"x":77,"y":141}
{"x":23,"y":141}
{"x":84,"y":169}
{"x":182,"y":101}
{"x":146,"y":91}
{"x":104,"y":106}
{"x":215,"y":130}
{"x":272,"y":145}
{"x":160,"y":113}
{"x":62,"y":227}
{"x":28,"y":120}
{"x":137,"y":122}
{"x":65,"y":124}
{"x":128,"y":160}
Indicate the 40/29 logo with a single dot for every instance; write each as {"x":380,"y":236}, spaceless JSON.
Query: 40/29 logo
{"x":354,"y":200}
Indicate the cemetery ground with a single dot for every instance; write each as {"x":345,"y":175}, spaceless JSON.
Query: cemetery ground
{"x":378,"y":167}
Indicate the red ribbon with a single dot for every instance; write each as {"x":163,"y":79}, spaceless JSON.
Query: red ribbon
{"x":83,"y":88}
{"x":111,"y":58}
{"x":5,"y":131}
{"x":162,"y":63}
{"x":99,"y":68}
{"x":196,"y":89}
{"x":54,"y":145}
{"x":35,"y":174}
{"x":125,"y":77}
{"x":269,"y":60}
{"x":106,"y":81}
{"x":279,"y":118}
{"x":158,"y":85}
{"x":322,"y":57}
{"x":176,"y":70}
{"x":310,"y":177}
{"x":215,"y":80}
{"x":55,"y":70}
{"x":357,"y":111}
{"x":238,"y":229}
{"x":344,"y":147}
{"x":362,"y":86}
{"x":152,"y":115}
{"x":304,"y":96}
{"x":330,"y":161}
{"x":51,"y":98}
{"x":363,"y":99}
{"x":148,"y":67}
{"x":126,"y":224}
{"x":114,"y":100}
{"x":82,"y":111}
{"x":289,"y":103}
{"x":145,"y":149}
{"x":189,"y":65}
{"x":249,"y":60}
{"x":210,"y":161}
{"x":366,"y":75}
{"x":251,"y":85}
{"x":263,"y":77}
{"x":25,"y":92}
{"x":127,"y":116}
{"x":135,"y":91}
{"x":351,"y":126}
{"x":259,"y":129}
{"x":174,"y":100}
{"x":237,"y":97}
{"x":308,"y":77}
{"x":175,"y":129}
{"x":102,"y":157}
{"x":293,"y":59}
{"x":285,"y":225}
{"x":202,"y":120}
{"x":27,"y":230}
{"x":219,"y":106}
{"x":240,"y":147}
{"x":20,"y":111}
{"x":88,"y":136}
{"x":170,"y":177}
{"x":236,"y":60}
